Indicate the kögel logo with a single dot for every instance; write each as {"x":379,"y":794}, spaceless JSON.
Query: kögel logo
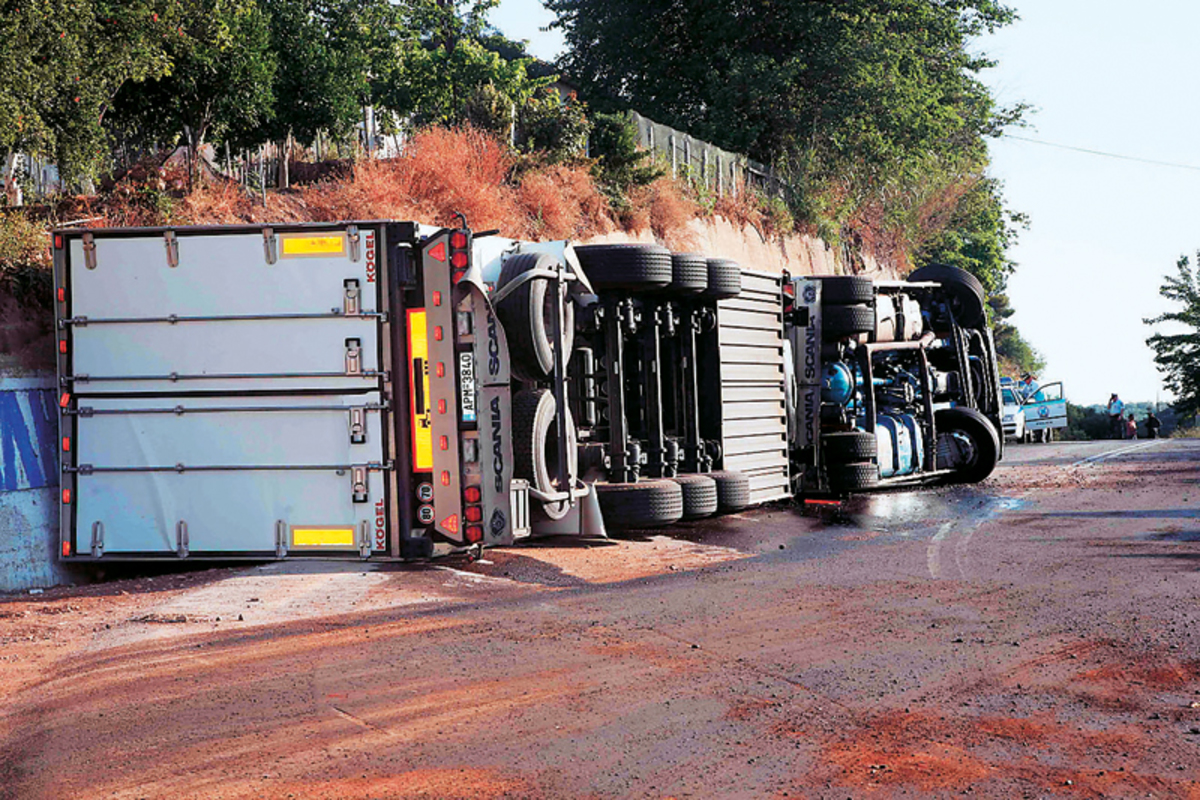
{"x":497,"y":445}
{"x":370,"y":258}
{"x":380,"y":526}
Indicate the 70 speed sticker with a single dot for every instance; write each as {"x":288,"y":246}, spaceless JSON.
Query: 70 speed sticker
{"x":466,"y":385}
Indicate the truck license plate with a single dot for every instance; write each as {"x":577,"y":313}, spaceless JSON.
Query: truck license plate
{"x":466,"y":383}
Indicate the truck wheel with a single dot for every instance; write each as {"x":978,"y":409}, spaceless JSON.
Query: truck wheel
{"x":689,"y":273}
{"x":733,"y":490}
{"x":528,"y":318}
{"x":645,"y":504}
{"x":699,"y":495}
{"x":626,"y":266}
{"x":848,"y":320}
{"x":850,"y":447}
{"x":965,"y":293}
{"x":852,"y":477}
{"x":535,"y":446}
{"x":724,"y":279}
{"x":843,"y":290}
{"x":967,"y":443}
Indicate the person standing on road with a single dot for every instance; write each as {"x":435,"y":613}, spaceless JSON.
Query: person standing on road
{"x":1116,"y":414}
{"x":1131,"y":427}
{"x":1028,"y":387}
{"x":1152,"y":425}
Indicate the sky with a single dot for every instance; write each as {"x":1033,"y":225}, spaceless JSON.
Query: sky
{"x":1101,"y":75}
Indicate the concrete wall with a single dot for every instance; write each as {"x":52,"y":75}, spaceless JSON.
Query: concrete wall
{"x":29,"y":470}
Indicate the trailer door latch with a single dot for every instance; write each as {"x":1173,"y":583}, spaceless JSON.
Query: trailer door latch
{"x":353,"y":236}
{"x":358,"y":426}
{"x":97,"y":539}
{"x":354,"y":357}
{"x":181,"y":539}
{"x":364,"y":539}
{"x":358,"y":484}
{"x":89,"y":250}
{"x":269,"y":252}
{"x":352,"y":302}
{"x":280,"y":538}
{"x":171,"y":242}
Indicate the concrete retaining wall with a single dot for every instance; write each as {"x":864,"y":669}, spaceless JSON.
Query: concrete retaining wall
{"x":29,"y":471}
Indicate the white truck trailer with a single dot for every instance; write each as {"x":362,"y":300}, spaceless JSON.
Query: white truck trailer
{"x":385,"y":389}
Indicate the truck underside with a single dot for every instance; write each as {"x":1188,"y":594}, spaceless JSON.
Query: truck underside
{"x":390,"y":390}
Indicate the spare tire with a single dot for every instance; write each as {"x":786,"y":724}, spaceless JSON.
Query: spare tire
{"x":645,"y":504}
{"x":699,"y":495}
{"x":733,"y":490}
{"x":724,"y":279}
{"x":535,"y":446}
{"x":689,"y":273}
{"x":846,"y":289}
{"x":527,"y":316}
{"x":965,"y":294}
{"x":626,"y":266}
{"x":967,"y":443}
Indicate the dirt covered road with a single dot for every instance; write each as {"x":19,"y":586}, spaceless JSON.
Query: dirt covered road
{"x":1035,"y":636}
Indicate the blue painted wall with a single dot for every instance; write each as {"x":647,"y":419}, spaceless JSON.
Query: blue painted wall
{"x":28,"y":439}
{"x":29,"y":471}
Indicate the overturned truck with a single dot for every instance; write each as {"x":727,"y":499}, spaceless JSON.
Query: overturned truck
{"x":392,"y":390}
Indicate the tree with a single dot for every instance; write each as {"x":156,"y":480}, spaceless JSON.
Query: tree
{"x":221,"y":82}
{"x":62,"y":64}
{"x":1177,"y":354}
{"x":977,"y":236}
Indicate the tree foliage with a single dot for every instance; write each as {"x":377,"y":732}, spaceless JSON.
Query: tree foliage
{"x":61,"y":65}
{"x":977,"y":236}
{"x":1177,"y":353}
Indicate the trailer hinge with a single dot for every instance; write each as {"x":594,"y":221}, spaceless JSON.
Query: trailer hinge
{"x":364,"y":539}
{"x":172,"y":245}
{"x":353,"y":236}
{"x":358,"y":484}
{"x":358,"y":426}
{"x":269,"y":241}
{"x":181,"y":539}
{"x":352,"y":300}
{"x":280,"y":538}
{"x":354,"y":357}
{"x":89,"y":250}
{"x":97,"y":539}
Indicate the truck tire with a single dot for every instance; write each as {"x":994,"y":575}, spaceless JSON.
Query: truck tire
{"x":689,"y":273}
{"x":844,"y":290}
{"x":634,"y":267}
{"x":849,"y":447}
{"x":527,"y":316}
{"x":724,"y":279}
{"x":969,"y":427}
{"x":645,"y":504}
{"x":845,"y":478}
{"x":733,"y":490}
{"x":966,"y":295}
{"x":535,"y":446}
{"x":699,"y":495}
{"x":848,"y":320}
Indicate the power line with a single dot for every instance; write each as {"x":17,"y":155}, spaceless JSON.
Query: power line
{"x":1103,"y":153}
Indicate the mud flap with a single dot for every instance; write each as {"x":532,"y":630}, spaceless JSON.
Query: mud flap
{"x":584,"y":520}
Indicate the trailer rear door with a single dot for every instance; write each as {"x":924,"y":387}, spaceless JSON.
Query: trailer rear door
{"x":223,"y":392}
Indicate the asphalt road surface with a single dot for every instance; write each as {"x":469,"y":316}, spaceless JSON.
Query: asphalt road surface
{"x":1033,"y":636}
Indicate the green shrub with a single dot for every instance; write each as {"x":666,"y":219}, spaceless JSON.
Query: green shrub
{"x":25,"y":264}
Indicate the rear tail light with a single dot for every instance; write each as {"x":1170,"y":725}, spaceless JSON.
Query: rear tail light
{"x":62,"y":295}
{"x":58,"y":242}
{"x":459,"y":260}
{"x":445,"y":477}
{"x":458,"y":240}
{"x":472,"y":494}
{"x":66,"y":496}
{"x":66,"y":444}
{"x":474,"y":534}
{"x":65,"y":400}
{"x":62,"y":346}
{"x":473,"y":513}
{"x":66,"y":549}
{"x":444,"y":443}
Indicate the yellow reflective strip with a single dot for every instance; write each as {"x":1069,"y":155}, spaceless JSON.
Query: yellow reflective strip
{"x":418,"y":362}
{"x":307,"y":244}
{"x":322,"y":537}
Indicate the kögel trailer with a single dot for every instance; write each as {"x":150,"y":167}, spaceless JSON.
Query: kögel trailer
{"x":392,"y":390}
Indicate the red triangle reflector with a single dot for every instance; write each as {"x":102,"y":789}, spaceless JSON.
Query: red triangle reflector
{"x":450,"y":523}
{"x":438,"y":252}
